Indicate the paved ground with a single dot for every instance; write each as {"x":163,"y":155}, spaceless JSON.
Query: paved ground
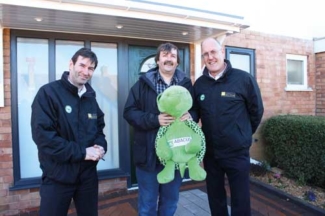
{"x":193,"y":201}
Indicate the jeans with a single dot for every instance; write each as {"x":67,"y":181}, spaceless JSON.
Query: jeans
{"x":154,"y":198}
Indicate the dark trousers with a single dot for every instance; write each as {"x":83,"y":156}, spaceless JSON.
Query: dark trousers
{"x":237,"y":171}
{"x":56,"y":197}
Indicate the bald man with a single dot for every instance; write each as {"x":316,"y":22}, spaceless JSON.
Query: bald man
{"x":230,"y":107}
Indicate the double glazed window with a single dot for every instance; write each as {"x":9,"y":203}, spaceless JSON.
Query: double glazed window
{"x":241,"y":58}
{"x":296,"y":66}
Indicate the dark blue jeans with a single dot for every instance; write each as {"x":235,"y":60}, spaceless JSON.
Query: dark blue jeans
{"x":154,"y":198}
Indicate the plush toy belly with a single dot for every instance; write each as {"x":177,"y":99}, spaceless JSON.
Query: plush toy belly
{"x":180,"y":145}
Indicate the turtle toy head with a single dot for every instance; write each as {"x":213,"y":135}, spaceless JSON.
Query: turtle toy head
{"x":175,"y":101}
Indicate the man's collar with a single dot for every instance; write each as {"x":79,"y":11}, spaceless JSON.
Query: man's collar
{"x":81,"y":89}
{"x":160,"y":78}
{"x":219,"y":74}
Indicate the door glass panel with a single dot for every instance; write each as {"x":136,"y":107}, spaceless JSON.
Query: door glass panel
{"x":240,"y":61}
{"x":104,"y":82}
{"x":148,"y":64}
{"x":32,"y":73}
{"x":64,"y":50}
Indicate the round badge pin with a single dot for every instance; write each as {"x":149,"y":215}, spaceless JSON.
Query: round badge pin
{"x":68,"y":109}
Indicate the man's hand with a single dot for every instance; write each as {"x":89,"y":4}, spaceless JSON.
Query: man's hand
{"x":95,"y":153}
{"x":186,"y":116}
{"x":165,"y":119}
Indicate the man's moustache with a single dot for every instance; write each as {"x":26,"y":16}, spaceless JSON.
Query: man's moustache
{"x":168,"y":62}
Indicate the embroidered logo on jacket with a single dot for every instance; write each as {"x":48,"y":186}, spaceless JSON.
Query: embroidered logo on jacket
{"x":202,"y":97}
{"x":92,"y":116}
{"x":68,"y":109}
{"x":228,"y":94}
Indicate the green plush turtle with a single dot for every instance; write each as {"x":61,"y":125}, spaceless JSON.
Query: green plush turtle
{"x":181,"y":144}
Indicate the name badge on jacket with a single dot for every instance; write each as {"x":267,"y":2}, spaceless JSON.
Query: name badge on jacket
{"x":92,"y":116}
{"x":228,"y":94}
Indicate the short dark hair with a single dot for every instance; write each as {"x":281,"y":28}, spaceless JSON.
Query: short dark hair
{"x":166,"y":47}
{"x":87,"y":53}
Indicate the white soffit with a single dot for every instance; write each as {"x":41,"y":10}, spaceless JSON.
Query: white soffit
{"x":319,"y":45}
{"x":140,"y":19}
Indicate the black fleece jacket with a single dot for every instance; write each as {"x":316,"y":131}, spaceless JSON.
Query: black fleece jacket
{"x":63,"y":126}
{"x":230,"y":109}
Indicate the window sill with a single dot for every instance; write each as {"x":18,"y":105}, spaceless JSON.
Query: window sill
{"x":297,"y":89}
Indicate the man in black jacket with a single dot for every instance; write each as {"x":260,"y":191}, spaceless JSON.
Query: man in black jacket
{"x":142,"y":113}
{"x":230,"y":107}
{"x":67,"y":127}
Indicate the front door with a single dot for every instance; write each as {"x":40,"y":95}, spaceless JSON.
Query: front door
{"x":141,"y":59}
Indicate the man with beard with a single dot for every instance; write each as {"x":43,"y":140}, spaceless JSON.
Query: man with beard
{"x":142,"y":113}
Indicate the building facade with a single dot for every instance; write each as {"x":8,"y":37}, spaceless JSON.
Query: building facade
{"x":39,"y":38}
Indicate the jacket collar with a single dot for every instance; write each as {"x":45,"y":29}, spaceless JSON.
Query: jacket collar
{"x":151,"y":75}
{"x":225,"y":73}
{"x":73,"y":89}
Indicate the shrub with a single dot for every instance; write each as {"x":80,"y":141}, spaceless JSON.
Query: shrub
{"x":296,"y":144}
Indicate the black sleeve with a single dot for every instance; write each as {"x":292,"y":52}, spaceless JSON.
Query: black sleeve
{"x":254,"y":104}
{"x":135,"y":114}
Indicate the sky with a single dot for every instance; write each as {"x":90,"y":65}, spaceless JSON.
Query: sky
{"x":302,"y":19}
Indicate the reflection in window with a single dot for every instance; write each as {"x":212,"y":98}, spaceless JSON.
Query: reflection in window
{"x":64,"y":50}
{"x":240,"y":61}
{"x":32,"y":73}
{"x":148,"y":64}
{"x":241,"y":58}
{"x":104,"y":82}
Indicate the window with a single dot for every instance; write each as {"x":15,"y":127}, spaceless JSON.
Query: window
{"x":104,"y":82}
{"x":32,"y":73}
{"x":148,"y":64}
{"x":64,"y":49}
{"x":241,"y":58}
{"x":33,"y":70}
{"x":40,"y":57}
{"x":296,"y":68}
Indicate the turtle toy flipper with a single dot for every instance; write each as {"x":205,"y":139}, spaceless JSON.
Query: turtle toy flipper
{"x":181,"y":144}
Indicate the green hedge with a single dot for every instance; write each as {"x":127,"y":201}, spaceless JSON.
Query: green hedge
{"x":296,"y":144}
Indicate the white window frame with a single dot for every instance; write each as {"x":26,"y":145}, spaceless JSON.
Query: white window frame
{"x":301,"y":87}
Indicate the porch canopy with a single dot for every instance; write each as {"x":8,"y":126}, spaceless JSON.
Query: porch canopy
{"x":142,"y":19}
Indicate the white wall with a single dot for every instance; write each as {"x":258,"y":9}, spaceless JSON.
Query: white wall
{"x":319,"y":45}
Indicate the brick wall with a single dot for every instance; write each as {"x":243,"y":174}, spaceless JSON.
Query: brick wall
{"x":270,"y":73}
{"x":320,"y":84}
{"x":6,"y":166}
{"x":271,"y":53}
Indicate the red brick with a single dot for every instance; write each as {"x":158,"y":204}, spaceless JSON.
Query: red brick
{"x":5,"y":158}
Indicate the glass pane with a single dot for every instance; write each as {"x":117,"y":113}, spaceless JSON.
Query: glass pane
{"x":104,"y":82}
{"x":148,"y":64}
{"x":295,"y":72}
{"x":32,"y":73}
{"x":64,"y":50}
{"x":240,"y":61}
